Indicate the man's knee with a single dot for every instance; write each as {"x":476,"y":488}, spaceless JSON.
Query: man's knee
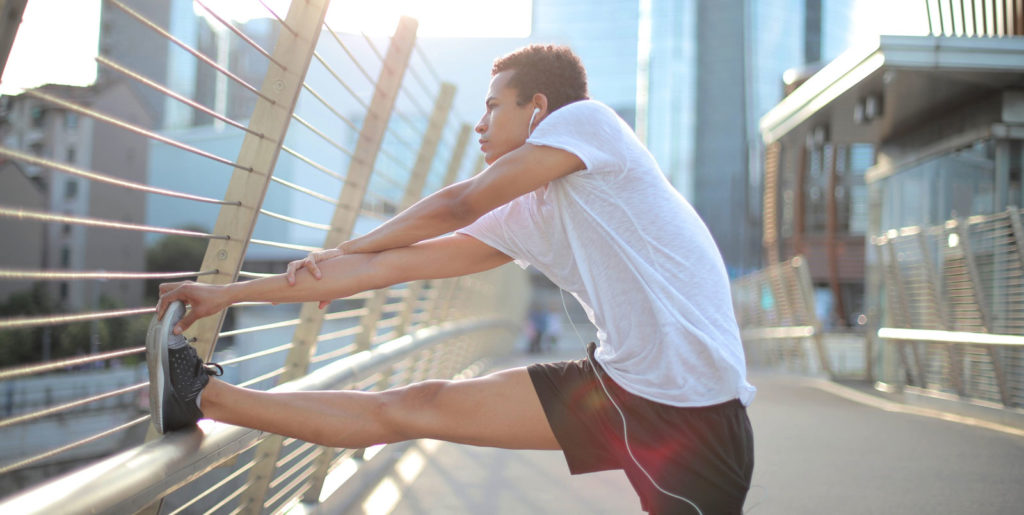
{"x":413,"y":411}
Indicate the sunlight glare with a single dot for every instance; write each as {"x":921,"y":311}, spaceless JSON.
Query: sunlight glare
{"x":51,"y":49}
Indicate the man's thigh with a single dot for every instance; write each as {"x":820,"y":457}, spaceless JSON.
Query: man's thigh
{"x":497,"y":410}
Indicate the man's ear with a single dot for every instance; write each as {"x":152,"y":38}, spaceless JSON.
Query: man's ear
{"x":540,"y":100}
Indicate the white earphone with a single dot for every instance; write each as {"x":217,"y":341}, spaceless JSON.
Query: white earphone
{"x":529,"y":128}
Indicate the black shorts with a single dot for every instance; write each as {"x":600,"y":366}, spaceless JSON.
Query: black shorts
{"x":704,"y":454}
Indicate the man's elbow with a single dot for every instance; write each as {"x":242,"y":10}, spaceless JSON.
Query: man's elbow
{"x":461,"y":209}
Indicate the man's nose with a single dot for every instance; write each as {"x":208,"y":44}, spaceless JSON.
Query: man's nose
{"x":481,"y":126}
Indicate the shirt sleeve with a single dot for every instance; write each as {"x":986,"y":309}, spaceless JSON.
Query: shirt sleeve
{"x":590,"y":130}
{"x":494,"y":230}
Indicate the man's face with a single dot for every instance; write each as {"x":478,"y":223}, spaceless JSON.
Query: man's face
{"x":504,"y":125}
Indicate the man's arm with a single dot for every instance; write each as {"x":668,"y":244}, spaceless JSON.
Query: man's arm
{"x":519,"y":172}
{"x":343,"y":276}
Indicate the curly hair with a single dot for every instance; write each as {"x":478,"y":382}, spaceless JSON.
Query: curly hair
{"x":554,"y":71}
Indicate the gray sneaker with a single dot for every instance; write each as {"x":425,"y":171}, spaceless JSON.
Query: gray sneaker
{"x":176,"y":374}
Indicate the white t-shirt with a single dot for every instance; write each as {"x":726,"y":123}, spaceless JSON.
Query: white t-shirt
{"x":637,"y":257}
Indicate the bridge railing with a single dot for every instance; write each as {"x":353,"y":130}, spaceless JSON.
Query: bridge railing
{"x":337,"y":139}
{"x":780,"y":327}
{"x":953,"y":300}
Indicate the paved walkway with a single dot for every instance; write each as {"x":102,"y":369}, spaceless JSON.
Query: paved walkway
{"x":817,"y":452}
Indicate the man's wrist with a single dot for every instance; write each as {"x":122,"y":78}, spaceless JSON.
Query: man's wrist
{"x":234,"y":292}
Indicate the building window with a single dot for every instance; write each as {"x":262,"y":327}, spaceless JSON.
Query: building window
{"x":71,"y":120}
{"x":36,"y":149}
{"x":65,"y":257}
{"x":63,"y":292}
{"x":71,"y":156}
{"x":70,"y":189}
{"x":37,"y":113}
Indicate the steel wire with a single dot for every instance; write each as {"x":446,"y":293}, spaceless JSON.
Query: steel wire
{"x":341,"y":81}
{"x":331,"y":108}
{"x":241,"y":470}
{"x":355,"y":61}
{"x":240,"y":34}
{"x":71,"y":405}
{"x":40,"y":216}
{"x":423,"y":56}
{"x":258,"y":328}
{"x":269,"y":375}
{"x":314,"y":164}
{"x":180,"y":98}
{"x":289,"y":219}
{"x":72,"y":275}
{"x":60,"y":450}
{"x":106,"y":179}
{"x":289,"y":246}
{"x":254,"y":355}
{"x":131,"y":128}
{"x":302,"y":189}
{"x":197,"y":54}
{"x":274,"y":14}
{"x":28,"y":370}
{"x":323,"y":136}
{"x":44,"y":320}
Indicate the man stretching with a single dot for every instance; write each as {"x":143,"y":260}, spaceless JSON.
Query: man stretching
{"x":571,"y":191}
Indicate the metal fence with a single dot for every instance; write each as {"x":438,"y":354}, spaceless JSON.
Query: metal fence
{"x":781,"y":329}
{"x":953,"y":300}
{"x":342,"y":134}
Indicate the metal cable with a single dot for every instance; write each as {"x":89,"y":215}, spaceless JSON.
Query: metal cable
{"x":106,"y":179}
{"x":239,"y":33}
{"x":331,"y":108}
{"x":241,"y":470}
{"x":257,"y":328}
{"x":323,"y":136}
{"x":44,"y":320}
{"x":131,"y":128}
{"x":254,"y":355}
{"x":341,"y":81}
{"x":355,"y":61}
{"x":26,"y":214}
{"x":12,"y":373}
{"x":423,"y":56}
{"x":289,"y":246}
{"x":269,"y":375}
{"x":289,"y":487}
{"x":314,"y":164}
{"x":194,"y":52}
{"x":39,"y":457}
{"x":374,"y":48}
{"x":344,"y":351}
{"x":274,"y":14}
{"x":307,"y":191}
{"x":286,"y":218}
{"x":73,"y":275}
{"x":71,"y":405}
{"x":300,"y":477}
{"x":180,"y":98}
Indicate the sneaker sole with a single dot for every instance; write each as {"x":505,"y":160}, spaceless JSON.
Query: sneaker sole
{"x":156,"y":358}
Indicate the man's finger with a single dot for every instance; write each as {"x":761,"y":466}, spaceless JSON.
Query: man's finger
{"x":290,"y":274}
{"x":185,"y":322}
{"x":324,"y":303}
{"x":313,"y":269}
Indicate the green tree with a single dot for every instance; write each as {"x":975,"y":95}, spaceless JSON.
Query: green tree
{"x":174,"y":253}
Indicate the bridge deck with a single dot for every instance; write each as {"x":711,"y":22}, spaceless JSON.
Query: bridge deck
{"x":817,"y":452}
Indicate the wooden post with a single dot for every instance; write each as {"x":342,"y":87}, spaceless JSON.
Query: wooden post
{"x":342,"y":223}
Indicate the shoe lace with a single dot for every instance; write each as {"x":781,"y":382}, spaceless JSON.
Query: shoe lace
{"x":212,"y":369}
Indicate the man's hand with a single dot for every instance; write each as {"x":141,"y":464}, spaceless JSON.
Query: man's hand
{"x":310,"y":263}
{"x":203,"y":300}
